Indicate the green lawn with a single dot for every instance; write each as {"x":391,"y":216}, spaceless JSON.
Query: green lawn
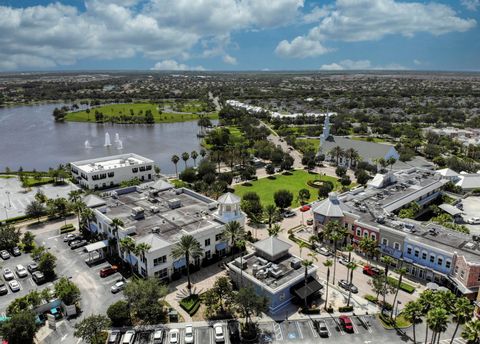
{"x":266,"y":187}
{"x":139,"y":109}
{"x":304,"y":145}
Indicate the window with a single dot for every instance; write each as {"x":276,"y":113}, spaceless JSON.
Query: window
{"x":462,"y":274}
{"x":384,"y":242}
{"x":365,"y":234}
{"x":142,"y":168}
{"x":417,"y":252}
{"x":111,"y":174}
{"x":218,"y":237}
{"x":160,"y":260}
{"x":161,"y":273}
{"x":135,"y":169}
{"x":456,"y":269}
{"x":148,"y":168}
{"x":359,"y":231}
{"x":448,"y":264}
{"x":373,"y":236}
{"x":207,"y":242}
{"x":396,"y":246}
{"x":432,"y":258}
{"x":409,"y":250}
{"x":208,"y":254}
{"x":478,"y":279}
{"x":424,"y":255}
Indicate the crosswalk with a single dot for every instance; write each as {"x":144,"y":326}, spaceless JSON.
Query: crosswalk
{"x":457,"y":340}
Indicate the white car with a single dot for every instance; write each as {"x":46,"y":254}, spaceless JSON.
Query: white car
{"x":117,"y":287}
{"x":189,"y":334}
{"x":174,"y":336}
{"x":474,"y":220}
{"x":8,"y":274}
{"x":14,"y":285}
{"x":21,"y":271}
{"x":219,"y":335}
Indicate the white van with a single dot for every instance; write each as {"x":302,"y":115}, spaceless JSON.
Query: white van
{"x":128,"y":337}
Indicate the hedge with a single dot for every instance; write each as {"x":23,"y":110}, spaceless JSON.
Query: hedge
{"x":311,"y":310}
{"x":403,"y":286}
{"x":18,"y":218}
{"x":67,"y":228}
{"x":190,"y":304}
{"x":345,"y":309}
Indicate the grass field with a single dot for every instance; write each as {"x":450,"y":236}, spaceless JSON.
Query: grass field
{"x":266,"y":187}
{"x":116,"y":111}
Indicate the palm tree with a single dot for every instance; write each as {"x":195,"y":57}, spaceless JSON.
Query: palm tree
{"x":350,"y":267}
{"x":302,"y":245}
{"x":353,"y":156}
{"x":401,"y":272}
{"x":75,"y":195}
{"x":140,"y":250}
{"x":274,"y":230}
{"x":116,"y":222}
{"x":194,"y":156}
{"x":203,"y":153}
{"x":391,"y":161}
{"x":306,"y":264}
{"x":349,"y":249}
{"x":426,"y":300}
{"x":337,"y":152}
{"x":369,"y":247}
{"x":240,"y":244}
{"x":78,"y":207}
{"x":462,"y":312}
{"x":471,"y":331}
{"x":328,"y":263}
{"x":387,"y":260}
{"x":412,"y":312}
{"x":127,"y":245}
{"x":188,"y":247}
{"x":175,"y":159}
{"x":437,"y":321}
{"x":271,"y":213}
{"x":185,"y":157}
{"x":86,"y":216}
{"x":335,"y":232}
{"x":233,"y":232}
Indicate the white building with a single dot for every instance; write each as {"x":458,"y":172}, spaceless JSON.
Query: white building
{"x":112,"y":170}
{"x":159,"y":215}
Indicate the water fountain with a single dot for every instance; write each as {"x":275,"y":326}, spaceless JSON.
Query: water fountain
{"x":87,"y":145}
{"x":107,"y":140}
{"x":119,"y":144}
{"x":117,"y":137}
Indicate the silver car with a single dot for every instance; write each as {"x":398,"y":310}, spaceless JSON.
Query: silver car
{"x":117,"y":287}
{"x":21,"y":271}
{"x":8,"y":274}
{"x":14,"y":285}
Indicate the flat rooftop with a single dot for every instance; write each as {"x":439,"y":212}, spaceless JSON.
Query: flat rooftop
{"x":189,"y":213}
{"x":111,"y":162}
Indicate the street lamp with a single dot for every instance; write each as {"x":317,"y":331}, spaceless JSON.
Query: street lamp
{"x":396,"y":309}
{"x":6,"y":214}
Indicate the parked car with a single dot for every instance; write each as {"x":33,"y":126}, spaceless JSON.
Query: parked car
{"x":288,"y":213}
{"x":189,"y":338}
{"x":129,"y":337}
{"x":32,"y":267}
{"x":3,"y":288}
{"x":16,"y":251}
{"x":305,"y":208}
{"x":38,"y":277}
{"x":234,"y":331}
{"x":322,"y":329}
{"x":114,"y":337}
{"x":371,"y":270}
{"x":158,"y":336}
{"x":14,"y":285}
{"x":74,"y":239}
{"x":117,"y":287}
{"x":4,"y":254}
{"x":69,"y":237}
{"x":343,"y":261}
{"x":348,"y":286}
{"x":8,"y":274}
{"x":346,"y":323}
{"x":109,"y":270}
{"x":174,"y":336}
{"x":310,"y":222}
{"x":21,"y":271}
{"x":324,"y":251}
{"x":473,"y":220}
{"x":219,"y":335}
{"x":79,"y":243}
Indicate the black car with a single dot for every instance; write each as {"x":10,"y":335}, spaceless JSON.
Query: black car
{"x":16,"y":252}
{"x":78,"y":243}
{"x":74,"y":239}
{"x":233,"y":331}
{"x":3,"y":289}
{"x":348,"y":286}
{"x":32,"y":267}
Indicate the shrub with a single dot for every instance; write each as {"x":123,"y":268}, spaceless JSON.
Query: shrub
{"x":403,"y":286}
{"x":119,"y":313}
{"x":345,"y":309}
{"x":67,"y":228}
{"x":370,"y":298}
{"x":190,"y":304}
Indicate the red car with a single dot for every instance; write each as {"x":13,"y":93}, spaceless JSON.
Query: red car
{"x":305,"y":208}
{"x":109,"y":270}
{"x":346,"y":323}
{"x":371,"y":270}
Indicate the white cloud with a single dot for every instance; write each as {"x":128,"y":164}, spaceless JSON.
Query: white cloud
{"x":230,"y":60}
{"x":301,"y":47}
{"x":471,"y":4}
{"x":359,"y":65}
{"x":417,"y":62}
{"x":367,"y":20}
{"x":172,"y":65}
{"x":57,"y":34}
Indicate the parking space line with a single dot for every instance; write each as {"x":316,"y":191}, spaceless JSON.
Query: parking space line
{"x":355,"y":329}
{"x":312,"y":328}
{"x":299,"y":329}
{"x":55,"y":236}
{"x":367,"y":323}
{"x":277,"y":330}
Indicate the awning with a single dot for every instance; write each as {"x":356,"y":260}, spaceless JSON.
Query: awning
{"x":454,"y":211}
{"x":303,"y":291}
{"x":178,"y":264}
{"x":221,"y":246}
{"x":96,"y":246}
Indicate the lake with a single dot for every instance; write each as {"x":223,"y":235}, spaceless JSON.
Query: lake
{"x":30,"y":138}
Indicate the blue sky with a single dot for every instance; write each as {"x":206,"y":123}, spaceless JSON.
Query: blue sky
{"x":239,"y":35}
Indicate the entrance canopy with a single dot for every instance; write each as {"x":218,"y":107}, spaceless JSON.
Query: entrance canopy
{"x":96,"y":246}
{"x":303,"y":291}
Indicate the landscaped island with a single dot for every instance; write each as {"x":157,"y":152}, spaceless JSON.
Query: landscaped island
{"x":140,"y":113}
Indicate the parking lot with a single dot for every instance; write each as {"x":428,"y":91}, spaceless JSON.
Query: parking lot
{"x":26,"y":283}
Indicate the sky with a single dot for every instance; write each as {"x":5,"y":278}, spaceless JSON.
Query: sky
{"x":254,"y":35}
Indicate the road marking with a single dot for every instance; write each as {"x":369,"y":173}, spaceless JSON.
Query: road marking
{"x":355,"y":329}
{"x":366,"y":322}
{"x":53,"y":237}
{"x":315,"y":334}
{"x":64,"y":337}
{"x":299,"y":330}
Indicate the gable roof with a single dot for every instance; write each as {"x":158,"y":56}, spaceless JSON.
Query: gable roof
{"x":93,"y":201}
{"x":161,"y":185}
{"x":367,"y":150}
{"x":446,"y":172}
{"x":229,"y":198}
{"x":330,"y":206}
{"x":272,"y":246}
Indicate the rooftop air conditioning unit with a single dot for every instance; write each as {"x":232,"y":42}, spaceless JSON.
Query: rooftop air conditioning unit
{"x":138,"y":213}
{"x":295,"y":263}
{"x":174,"y":203}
